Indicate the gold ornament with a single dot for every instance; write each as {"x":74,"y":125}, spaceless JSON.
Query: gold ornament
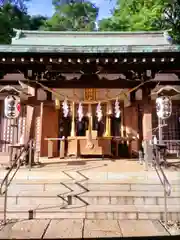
{"x":57,"y":104}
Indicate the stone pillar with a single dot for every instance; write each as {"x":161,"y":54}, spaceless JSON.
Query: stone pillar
{"x":147,"y":122}
{"x":147,"y":127}
{"x":49,"y":129}
{"x":147,"y":114}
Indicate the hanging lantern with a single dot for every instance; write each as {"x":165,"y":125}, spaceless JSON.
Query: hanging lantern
{"x":80,"y":112}
{"x":12,"y":106}
{"x":117,"y":109}
{"x":163,"y":107}
{"x":65,"y":108}
{"x":99,"y":112}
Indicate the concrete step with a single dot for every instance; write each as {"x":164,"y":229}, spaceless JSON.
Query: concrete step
{"x":138,"y":212}
{"x":92,"y":197}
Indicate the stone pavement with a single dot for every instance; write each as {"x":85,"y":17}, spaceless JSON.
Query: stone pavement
{"x":69,"y":228}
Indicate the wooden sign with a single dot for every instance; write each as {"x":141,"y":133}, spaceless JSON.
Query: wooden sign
{"x":90,"y":94}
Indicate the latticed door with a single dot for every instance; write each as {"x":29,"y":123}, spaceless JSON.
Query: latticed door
{"x":11,"y":129}
{"x":171,"y":132}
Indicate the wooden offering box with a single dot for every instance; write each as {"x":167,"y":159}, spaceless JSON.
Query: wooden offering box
{"x":78,"y":146}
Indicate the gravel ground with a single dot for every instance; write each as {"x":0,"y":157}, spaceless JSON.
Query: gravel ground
{"x":173,"y":227}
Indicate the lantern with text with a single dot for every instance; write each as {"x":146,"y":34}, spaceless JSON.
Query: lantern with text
{"x":12,"y":106}
{"x":163,"y":107}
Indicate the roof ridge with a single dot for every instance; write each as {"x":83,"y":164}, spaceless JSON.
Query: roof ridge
{"x":88,"y":33}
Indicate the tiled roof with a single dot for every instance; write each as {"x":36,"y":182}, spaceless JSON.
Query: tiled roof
{"x":89,"y":42}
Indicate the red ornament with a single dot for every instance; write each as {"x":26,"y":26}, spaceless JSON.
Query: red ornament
{"x":18,"y":107}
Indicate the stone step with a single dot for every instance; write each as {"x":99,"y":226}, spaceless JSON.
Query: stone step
{"x":115,"y":212}
{"x":125,"y":180}
{"x":90,"y":185}
{"x":92,"y":197}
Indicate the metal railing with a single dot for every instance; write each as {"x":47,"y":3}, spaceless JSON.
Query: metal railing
{"x":173,"y":147}
{"x":7,"y":181}
{"x":164,"y":181}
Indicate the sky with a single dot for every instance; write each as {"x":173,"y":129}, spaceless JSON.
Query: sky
{"x":44,"y":7}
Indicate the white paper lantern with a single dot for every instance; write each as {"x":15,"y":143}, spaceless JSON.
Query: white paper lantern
{"x":163,"y":107}
{"x":12,"y":106}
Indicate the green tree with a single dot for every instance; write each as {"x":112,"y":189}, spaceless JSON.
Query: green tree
{"x":75,"y":16}
{"x":36,"y":22}
{"x":15,"y":16}
{"x":136,"y":15}
{"x":145,"y":15}
{"x":171,"y":19}
{"x":6,"y":31}
{"x":20,"y":4}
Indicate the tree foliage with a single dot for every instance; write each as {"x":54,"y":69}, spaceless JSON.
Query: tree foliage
{"x":145,"y":15}
{"x":81,"y":15}
{"x":136,"y":15}
{"x":13,"y":14}
{"x":75,"y":16}
{"x":172,"y":19}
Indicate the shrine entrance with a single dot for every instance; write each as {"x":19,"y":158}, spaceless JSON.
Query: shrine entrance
{"x":93,"y":98}
{"x":90,"y":118}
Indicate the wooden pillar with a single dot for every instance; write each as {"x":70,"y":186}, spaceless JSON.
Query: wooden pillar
{"x":131,"y":125}
{"x":29,"y":122}
{"x":108,"y":120}
{"x":30,"y":115}
{"x":49,"y":129}
{"x":73,"y":133}
{"x":122,"y":130}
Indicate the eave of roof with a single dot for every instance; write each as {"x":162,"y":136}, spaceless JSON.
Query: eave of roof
{"x":88,"y":49}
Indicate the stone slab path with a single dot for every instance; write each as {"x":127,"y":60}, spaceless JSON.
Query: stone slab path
{"x":69,"y":228}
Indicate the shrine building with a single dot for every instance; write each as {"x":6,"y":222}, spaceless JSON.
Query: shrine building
{"x":87,"y":93}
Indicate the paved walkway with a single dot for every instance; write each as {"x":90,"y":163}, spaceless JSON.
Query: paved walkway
{"x":44,"y":229}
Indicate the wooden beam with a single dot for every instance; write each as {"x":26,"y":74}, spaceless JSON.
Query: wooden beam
{"x":7,"y":82}
{"x":99,"y":84}
{"x":88,"y":84}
